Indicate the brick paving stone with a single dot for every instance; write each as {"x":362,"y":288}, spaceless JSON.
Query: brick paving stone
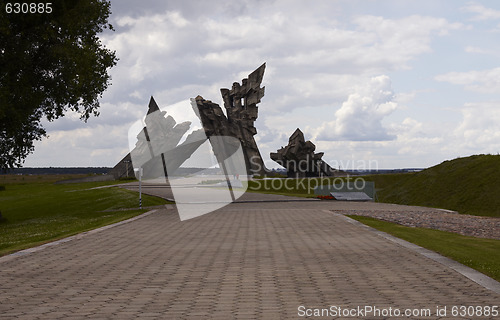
{"x":245,"y":261}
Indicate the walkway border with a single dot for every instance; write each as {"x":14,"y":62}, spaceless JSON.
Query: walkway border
{"x":474,"y":275}
{"x":24,"y":252}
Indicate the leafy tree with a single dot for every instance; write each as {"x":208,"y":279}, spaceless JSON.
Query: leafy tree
{"x":49,"y":63}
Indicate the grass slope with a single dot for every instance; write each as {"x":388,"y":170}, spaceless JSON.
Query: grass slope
{"x":468,"y":185}
{"x":480,"y":254}
{"x":37,"y":211}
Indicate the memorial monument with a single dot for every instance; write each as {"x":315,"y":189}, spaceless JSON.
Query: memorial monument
{"x":157,"y":147}
{"x":162,"y":132}
{"x":299,"y":159}
{"x":240,"y":103}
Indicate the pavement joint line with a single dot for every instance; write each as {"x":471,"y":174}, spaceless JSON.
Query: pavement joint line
{"x":474,"y":275}
{"x":73,"y":237}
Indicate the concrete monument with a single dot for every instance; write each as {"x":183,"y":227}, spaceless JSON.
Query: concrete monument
{"x":299,"y":159}
{"x":157,"y":150}
{"x":240,"y":103}
{"x":163,"y":134}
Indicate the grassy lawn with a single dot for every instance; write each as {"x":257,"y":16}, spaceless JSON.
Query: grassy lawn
{"x":468,"y":185}
{"x":477,"y":253}
{"x":37,"y":211}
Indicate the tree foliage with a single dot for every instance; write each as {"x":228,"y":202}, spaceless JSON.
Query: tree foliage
{"x":49,"y":63}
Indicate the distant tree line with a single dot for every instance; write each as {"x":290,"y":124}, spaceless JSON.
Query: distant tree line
{"x":51,"y":170}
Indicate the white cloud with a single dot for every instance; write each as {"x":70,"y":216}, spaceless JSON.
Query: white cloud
{"x":360,"y":116}
{"x":430,"y":142}
{"x":416,"y":138}
{"x":481,"y":12}
{"x":320,"y":58}
{"x":396,"y":42}
{"x":103,"y":145}
{"x":423,"y":143}
{"x":472,"y":49}
{"x":110,"y":115}
{"x":479,"y":130}
{"x":484,"y":81}
{"x":172,"y":49}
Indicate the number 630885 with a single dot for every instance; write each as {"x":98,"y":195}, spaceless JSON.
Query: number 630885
{"x":17,"y":7}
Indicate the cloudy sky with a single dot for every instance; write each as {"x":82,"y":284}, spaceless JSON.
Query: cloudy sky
{"x":387,"y":84}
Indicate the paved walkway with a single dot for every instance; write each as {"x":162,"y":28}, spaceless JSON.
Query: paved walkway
{"x":254,"y":260}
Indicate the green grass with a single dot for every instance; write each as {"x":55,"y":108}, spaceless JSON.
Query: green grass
{"x":477,"y":253}
{"x":468,"y":185}
{"x":37,"y":211}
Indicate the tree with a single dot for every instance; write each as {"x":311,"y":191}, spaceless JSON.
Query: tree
{"x":51,"y":61}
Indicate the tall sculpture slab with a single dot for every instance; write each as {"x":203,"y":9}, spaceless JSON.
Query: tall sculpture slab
{"x":299,"y":159}
{"x":162,"y":133}
{"x":240,"y":103}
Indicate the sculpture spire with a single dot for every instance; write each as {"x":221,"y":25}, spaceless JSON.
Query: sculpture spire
{"x":240,"y":103}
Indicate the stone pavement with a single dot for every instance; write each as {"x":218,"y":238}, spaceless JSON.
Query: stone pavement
{"x":256,"y":260}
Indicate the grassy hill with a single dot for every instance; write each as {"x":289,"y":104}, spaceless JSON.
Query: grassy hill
{"x":468,"y":185}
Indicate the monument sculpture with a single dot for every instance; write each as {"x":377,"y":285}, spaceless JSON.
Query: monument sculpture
{"x":299,"y":159}
{"x":163,"y":134}
{"x":240,"y":103}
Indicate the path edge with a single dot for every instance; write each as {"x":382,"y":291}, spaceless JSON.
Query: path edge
{"x":472,"y":274}
{"x":81,"y":235}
